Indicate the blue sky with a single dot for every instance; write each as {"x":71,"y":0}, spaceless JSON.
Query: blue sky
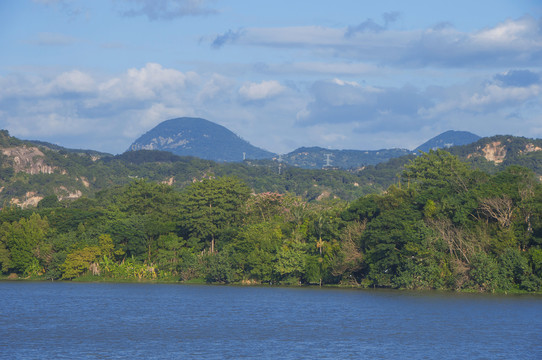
{"x":281,"y":74}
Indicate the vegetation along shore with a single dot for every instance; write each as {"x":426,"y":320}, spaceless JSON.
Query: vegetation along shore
{"x":443,"y":224}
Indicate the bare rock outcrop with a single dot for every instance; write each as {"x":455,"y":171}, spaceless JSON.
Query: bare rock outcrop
{"x":28,"y":159}
{"x":31,"y":199}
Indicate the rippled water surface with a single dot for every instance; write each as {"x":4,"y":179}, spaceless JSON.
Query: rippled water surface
{"x":150,"y":321}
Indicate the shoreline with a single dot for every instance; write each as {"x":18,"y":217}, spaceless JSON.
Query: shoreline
{"x":86,"y":280}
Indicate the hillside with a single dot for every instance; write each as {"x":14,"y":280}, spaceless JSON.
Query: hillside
{"x":29,"y":172}
{"x":200,"y":138}
{"x":498,"y":152}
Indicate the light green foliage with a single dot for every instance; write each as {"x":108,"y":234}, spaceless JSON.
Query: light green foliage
{"x":22,"y":238}
{"x":79,"y":261}
{"x":291,"y":259}
{"x":254,"y":250}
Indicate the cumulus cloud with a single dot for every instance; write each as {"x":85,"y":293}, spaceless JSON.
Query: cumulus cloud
{"x":109,"y":112}
{"x":339,"y":101}
{"x":217,"y":88}
{"x":392,"y":110}
{"x":104,"y":109}
{"x":260,"y":91}
{"x":146,"y":83}
{"x":164,"y":9}
{"x":79,"y":109}
{"x":73,"y":81}
{"x":514,"y":89}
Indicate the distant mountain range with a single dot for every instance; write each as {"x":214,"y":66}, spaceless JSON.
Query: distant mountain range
{"x":33,"y":170}
{"x":207,"y":140}
{"x":320,"y":158}
{"x":200,"y":138}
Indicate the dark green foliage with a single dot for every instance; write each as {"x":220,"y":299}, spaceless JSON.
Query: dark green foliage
{"x":50,"y":201}
{"x":211,"y":207}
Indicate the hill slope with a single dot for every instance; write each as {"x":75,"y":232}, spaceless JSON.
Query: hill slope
{"x":198,"y":137}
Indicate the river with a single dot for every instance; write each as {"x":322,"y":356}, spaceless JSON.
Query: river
{"x":63,"y":320}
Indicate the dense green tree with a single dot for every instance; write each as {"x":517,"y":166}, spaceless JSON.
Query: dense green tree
{"x":210,"y":206}
{"x":23,"y":238}
{"x":254,"y":251}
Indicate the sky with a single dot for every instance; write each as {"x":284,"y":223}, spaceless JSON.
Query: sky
{"x":343,"y":74}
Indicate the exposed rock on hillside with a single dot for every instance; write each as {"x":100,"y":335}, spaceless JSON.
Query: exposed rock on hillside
{"x":31,"y":199}
{"x":495,"y":152}
{"x":28,"y":159}
{"x":499,"y":149}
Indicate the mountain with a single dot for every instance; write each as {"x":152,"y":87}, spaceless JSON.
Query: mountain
{"x":200,"y":138}
{"x":320,"y":158}
{"x":206,"y":140}
{"x":448,"y":139}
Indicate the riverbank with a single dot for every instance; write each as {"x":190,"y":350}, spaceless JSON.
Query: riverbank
{"x":101,"y":279}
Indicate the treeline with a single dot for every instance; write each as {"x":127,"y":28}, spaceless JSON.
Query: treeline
{"x":443,"y":225}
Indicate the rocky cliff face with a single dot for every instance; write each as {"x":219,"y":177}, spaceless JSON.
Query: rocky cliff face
{"x":500,"y":148}
{"x":28,"y":159}
{"x":32,"y":160}
{"x":494,"y":151}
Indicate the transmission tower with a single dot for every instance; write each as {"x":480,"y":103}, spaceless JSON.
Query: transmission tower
{"x":328,"y":160}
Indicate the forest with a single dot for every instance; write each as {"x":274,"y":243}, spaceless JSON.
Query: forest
{"x":441,"y":225}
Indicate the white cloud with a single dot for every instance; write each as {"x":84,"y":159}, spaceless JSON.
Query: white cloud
{"x":75,"y":102}
{"x":146,"y":83}
{"x":78,"y":108}
{"x":261,"y":91}
{"x":511,"y":43}
{"x":487,"y":98}
{"x":216,"y":89}
{"x":508,"y":33}
{"x":73,"y":81}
